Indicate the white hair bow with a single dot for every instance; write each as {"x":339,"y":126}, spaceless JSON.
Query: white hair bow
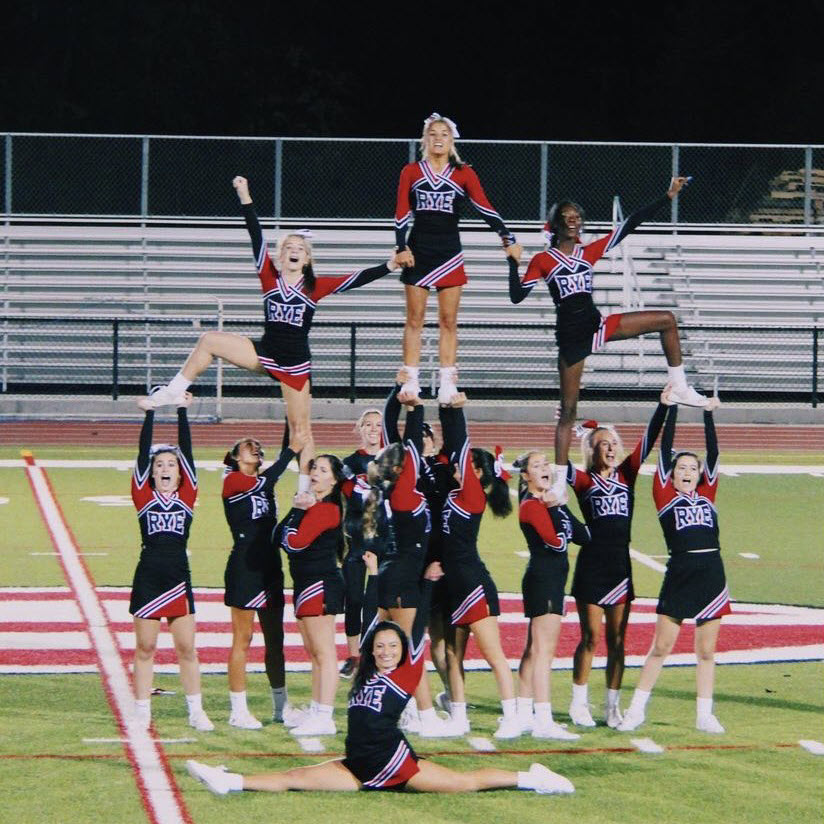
{"x":307,"y":233}
{"x":451,"y":123}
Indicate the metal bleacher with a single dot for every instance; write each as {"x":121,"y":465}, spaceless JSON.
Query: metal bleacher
{"x":192,"y":275}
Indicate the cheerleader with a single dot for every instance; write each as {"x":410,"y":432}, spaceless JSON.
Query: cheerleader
{"x":397,"y":500}
{"x":312,"y":537}
{"x":370,"y":429}
{"x":566,"y":267}
{"x":473,"y":597}
{"x":548,"y":529}
{"x":254,"y":576}
{"x":602,"y":584}
{"x":291,"y":292}
{"x":164,"y":488}
{"x":378,"y":756}
{"x":429,"y":194}
{"x":695,"y":586}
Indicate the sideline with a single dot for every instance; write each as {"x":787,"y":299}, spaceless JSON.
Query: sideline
{"x":158,"y":791}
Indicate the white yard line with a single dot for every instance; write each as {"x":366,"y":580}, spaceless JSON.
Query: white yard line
{"x":160,"y":795}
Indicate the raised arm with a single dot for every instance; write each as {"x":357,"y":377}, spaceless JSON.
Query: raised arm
{"x":711,"y":463}
{"x":391,"y":414}
{"x":241,"y":185}
{"x":272,"y":474}
{"x":184,"y":440}
{"x":594,"y":250}
{"x":144,"y":444}
{"x":667,"y":440}
{"x":632,"y":463}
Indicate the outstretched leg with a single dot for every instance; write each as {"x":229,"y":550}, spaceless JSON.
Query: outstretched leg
{"x":330,"y":775}
{"x":570,"y":380}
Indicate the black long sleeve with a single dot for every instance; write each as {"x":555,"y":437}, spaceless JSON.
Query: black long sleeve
{"x":517,"y":292}
{"x":145,"y":442}
{"x":273,"y":473}
{"x":453,"y":426}
{"x":711,"y":466}
{"x":253,"y":227}
{"x":184,"y":436}
{"x":667,"y":440}
{"x":391,"y":414}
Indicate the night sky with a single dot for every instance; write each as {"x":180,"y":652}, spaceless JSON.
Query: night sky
{"x":724,"y":72}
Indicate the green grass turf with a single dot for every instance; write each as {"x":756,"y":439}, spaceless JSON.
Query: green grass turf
{"x":52,"y":776}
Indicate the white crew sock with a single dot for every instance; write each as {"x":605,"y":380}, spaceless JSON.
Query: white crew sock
{"x":524,"y":707}
{"x":510,"y":707}
{"x":703,"y":706}
{"x":194,"y":703}
{"x":613,"y":697}
{"x":237,"y":701}
{"x":446,"y":374}
{"x":639,"y":700}
{"x":428,"y":715}
{"x":304,"y":483}
{"x":458,"y":711}
{"x":143,"y":710}
{"x":279,"y":699}
{"x":179,"y":384}
{"x":324,"y":709}
{"x":580,"y":694}
{"x":235,"y":781}
{"x":543,"y":713}
{"x":411,"y":373}
{"x":676,"y":375}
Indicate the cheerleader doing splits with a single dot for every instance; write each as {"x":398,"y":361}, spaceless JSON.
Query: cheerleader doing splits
{"x":164,"y":488}
{"x":429,"y":194}
{"x":567,"y":268}
{"x":290,"y":296}
{"x":254,"y":576}
{"x":695,"y":585}
{"x":378,"y":756}
{"x":548,"y":529}
{"x":602,"y":585}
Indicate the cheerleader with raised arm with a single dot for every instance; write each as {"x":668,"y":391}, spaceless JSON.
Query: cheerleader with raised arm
{"x":567,"y":269}
{"x":695,"y":585}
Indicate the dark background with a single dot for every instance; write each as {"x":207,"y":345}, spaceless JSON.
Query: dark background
{"x":727,"y":72}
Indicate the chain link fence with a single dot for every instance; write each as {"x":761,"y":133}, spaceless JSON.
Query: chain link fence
{"x":355,"y":179}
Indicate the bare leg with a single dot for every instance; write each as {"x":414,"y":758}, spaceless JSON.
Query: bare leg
{"x":242,"y":631}
{"x":527,"y":666}
{"x":666,"y":633}
{"x":488,"y":638}
{"x":589,"y":618}
{"x":545,"y":630}
{"x":319,"y":636}
{"x":235,"y":349}
{"x":706,"y":639}
{"x":433,"y":778}
{"x":183,"y":635}
{"x":455,"y":652}
{"x":448,"y":300}
{"x":146,"y":631}
{"x":330,"y":775}
{"x":416,"y":297}
{"x":298,"y":411}
{"x":438,"y":629}
{"x":634,"y":324}
{"x":616,"y":618}
{"x":271,"y":622}
{"x":570,"y":377}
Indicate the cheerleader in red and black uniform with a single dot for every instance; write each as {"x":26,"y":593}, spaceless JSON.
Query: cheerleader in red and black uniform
{"x":473,"y":597}
{"x":397,"y":481}
{"x":254,"y":576}
{"x":566,"y":268}
{"x":164,"y":488}
{"x":429,"y":194}
{"x":312,"y":536}
{"x":378,"y":756}
{"x":548,"y":529}
{"x":602,"y":585}
{"x":695,"y":586}
{"x":290,"y":296}
{"x":370,"y":428}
